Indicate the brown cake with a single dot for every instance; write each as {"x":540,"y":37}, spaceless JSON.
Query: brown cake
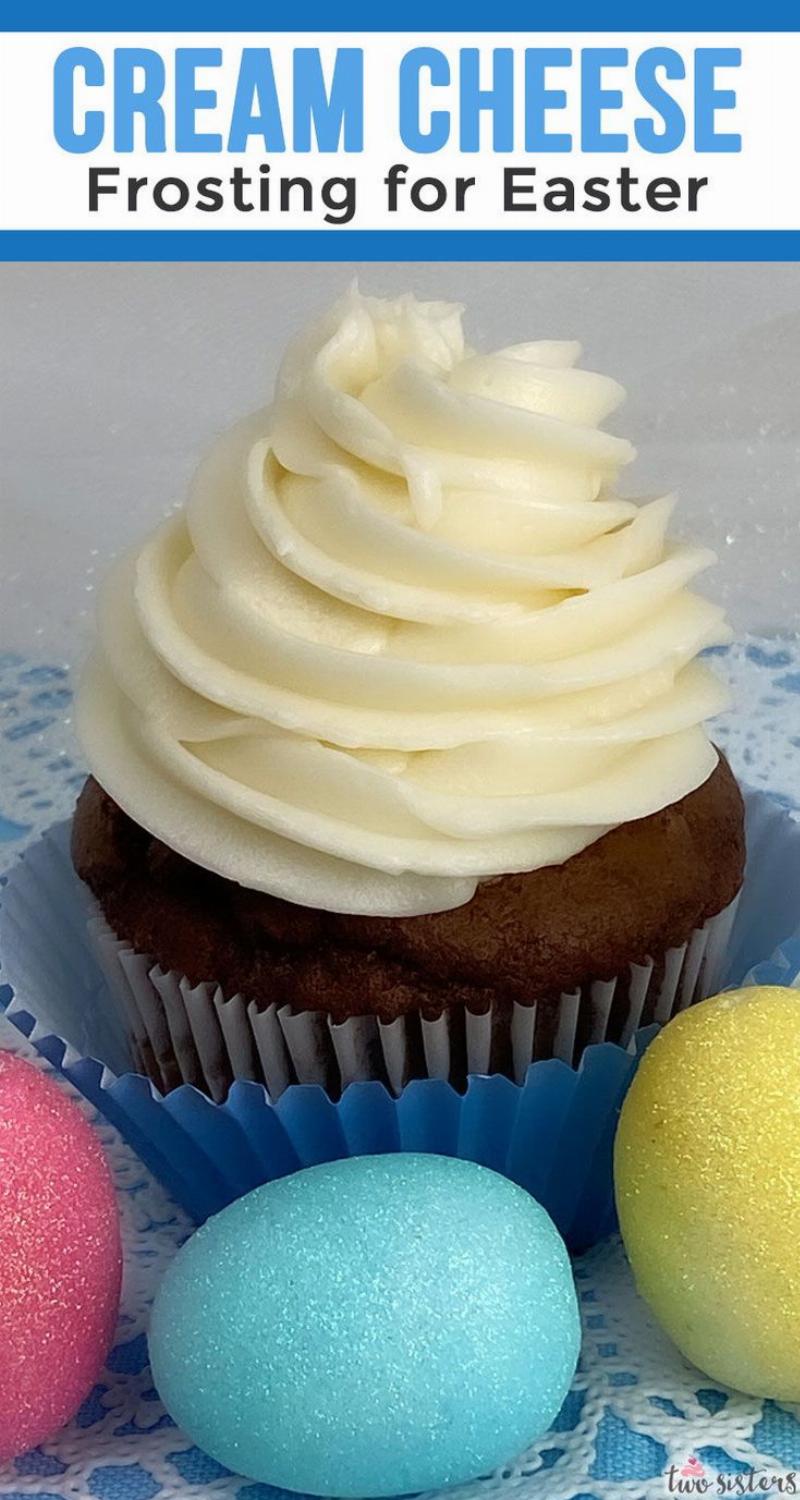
{"x":634,"y":893}
{"x":398,"y":731}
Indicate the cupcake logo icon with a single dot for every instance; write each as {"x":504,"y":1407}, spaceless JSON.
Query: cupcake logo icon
{"x":692,"y":1469}
{"x":691,"y":1478}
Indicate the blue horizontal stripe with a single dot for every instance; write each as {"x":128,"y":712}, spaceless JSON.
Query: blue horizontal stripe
{"x":399,"y":244}
{"x":413,"y":16}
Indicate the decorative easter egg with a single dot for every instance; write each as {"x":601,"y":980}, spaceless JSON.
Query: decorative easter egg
{"x":369,"y":1327}
{"x":707,"y":1169}
{"x":60,"y":1258}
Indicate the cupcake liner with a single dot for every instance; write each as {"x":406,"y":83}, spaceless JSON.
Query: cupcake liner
{"x":553,"y":1134}
{"x":782,"y":969}
{"x":194,"y":1034}
{"x":550,"y":1130}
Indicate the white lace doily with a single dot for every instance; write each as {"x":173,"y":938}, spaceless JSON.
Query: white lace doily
{"x":635,"y":1408}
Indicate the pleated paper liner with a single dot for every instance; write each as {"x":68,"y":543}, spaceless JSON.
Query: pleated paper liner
{"x":549,"y":1125}
{"x":192,"y":1033}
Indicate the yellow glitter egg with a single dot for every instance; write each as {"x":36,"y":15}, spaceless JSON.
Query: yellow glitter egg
{"x":707,"y":1173}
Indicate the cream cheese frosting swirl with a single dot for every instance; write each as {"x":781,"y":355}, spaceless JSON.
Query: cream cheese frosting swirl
{"x":405,"y":637}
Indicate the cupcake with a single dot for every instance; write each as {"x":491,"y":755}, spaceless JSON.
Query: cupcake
{"x":397,"y":732}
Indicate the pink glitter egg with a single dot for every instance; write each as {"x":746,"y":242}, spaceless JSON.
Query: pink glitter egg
{"x":60,"y":1257}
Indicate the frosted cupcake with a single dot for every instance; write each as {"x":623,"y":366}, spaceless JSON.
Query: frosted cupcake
{"x":397,"y":732}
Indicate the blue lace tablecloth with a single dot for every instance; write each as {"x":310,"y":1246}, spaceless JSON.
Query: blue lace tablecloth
{"x":638,"y":1422}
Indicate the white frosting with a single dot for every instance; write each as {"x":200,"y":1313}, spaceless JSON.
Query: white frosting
{"x":405,"y":636}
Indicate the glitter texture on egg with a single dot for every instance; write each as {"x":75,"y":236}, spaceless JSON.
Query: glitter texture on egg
{"x":59,"y":1254}
{"x":707,"y":1171}
{"x":374,"y":1326}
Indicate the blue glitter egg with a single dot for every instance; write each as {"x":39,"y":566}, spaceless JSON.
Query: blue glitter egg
{"x":370,"y":1327}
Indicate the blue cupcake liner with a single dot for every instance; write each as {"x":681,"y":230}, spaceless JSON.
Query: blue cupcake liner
{"x":783,"y":968}
{"x":553,"y":1133}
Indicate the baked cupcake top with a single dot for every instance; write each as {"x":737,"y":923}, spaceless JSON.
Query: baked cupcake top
{"x":405,"y":637}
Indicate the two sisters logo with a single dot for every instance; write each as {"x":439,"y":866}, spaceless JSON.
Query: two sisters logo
{"x":692,"y":1479}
